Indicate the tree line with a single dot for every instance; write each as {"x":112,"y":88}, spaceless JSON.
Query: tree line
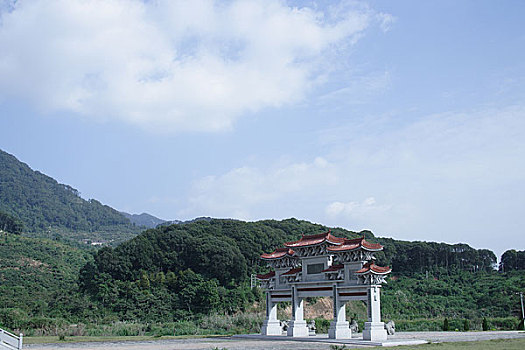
{"x":204,"y":266}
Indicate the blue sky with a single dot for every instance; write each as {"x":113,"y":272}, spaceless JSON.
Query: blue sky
{"x":402,"y":117}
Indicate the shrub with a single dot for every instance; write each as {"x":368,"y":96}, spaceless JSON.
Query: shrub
{"x":239,"y":323}
{"x":185,"y":328}
{"x":503,"y":323}
{"x":321,"y":325}
{"x":485,"y":324}
{"x":466,"y":325}
{"x":13,"y":318}
{"x":419,"y":325}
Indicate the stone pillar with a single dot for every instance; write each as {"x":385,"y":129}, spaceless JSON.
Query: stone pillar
{"x":374,"y":329}
{"x":339,"y":327}
{"x":297,"y":326}
{"x":271,"y":325}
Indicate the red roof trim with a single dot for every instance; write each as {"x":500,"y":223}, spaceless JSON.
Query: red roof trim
{"x":309,"y":240}
{"x":293,"y":271}
{"x":352,"y":244}
{"x":334,"y":268}
{"x":371,"y":267}
{"x":278,"y":253}
{"x":266,"y":275}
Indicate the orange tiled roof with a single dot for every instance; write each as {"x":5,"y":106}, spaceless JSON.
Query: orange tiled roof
{"x":266,"y":275}
{"x":278,"y":253}
{"x":371,"y":267}
{"x":315,"y":239}
{"x":351,"y":244}
{"x":334,"y":268}
{"x":293,"y":271}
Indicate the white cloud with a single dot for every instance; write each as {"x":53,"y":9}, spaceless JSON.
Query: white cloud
{"x":355,"y":210}
{"x":169,"y":65}
{"x":446,"y":177}
{"x":242,"y":192}
{"x":386,"y":21}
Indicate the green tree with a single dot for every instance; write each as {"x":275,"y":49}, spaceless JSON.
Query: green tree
{"x":446,"y":326}
{"x":485,"y":324}
{"x":10,"y":224}
{"x":521,"y":325}
{"x":144,"y":281}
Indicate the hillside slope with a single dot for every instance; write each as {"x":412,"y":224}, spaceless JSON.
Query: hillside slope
{"x":46,"y":206}
{"x":144,"y":219}
{"x":35,"y":272}
{"x":217,"y":257}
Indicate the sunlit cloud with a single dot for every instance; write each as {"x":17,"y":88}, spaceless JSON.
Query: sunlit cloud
{"x":170,"y":65}
{"x":396,"y":179}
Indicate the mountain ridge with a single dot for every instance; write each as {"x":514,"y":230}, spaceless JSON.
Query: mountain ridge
{"x":144,"y":219}
{"x":47,"y":207}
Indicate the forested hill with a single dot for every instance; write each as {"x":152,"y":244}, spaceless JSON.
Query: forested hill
{"x":144,"y":219}
{"x":214,"y":259}
{"x":229,"y":250}
{"x":41,"y":203}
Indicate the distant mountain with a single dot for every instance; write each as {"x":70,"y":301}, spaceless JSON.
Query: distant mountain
{"x":144,"y":219}
{"x":178,"y":222}
{"x":48,"y":207}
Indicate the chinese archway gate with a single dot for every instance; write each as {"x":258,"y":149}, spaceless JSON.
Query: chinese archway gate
{"x":323,"y":265}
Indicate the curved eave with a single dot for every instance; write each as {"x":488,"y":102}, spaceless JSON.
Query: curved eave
{"x":313,"y":240}
{"x":266,"y":276}
{"x":293,"y":271}
{"x":343,"y":248}
{"x":278,"y":254}
{"x":334,"y":268}
{"x":355,"y":244}
{"x":374,"y":269}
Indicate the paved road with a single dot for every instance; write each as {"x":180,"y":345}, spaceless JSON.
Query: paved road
{"x":248,"y":344}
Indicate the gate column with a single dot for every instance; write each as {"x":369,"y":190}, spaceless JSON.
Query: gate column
{"x":297,"y":326}
{"x":271,"y":325}
{"x":339,"y":327}
{"x":374,"y":329}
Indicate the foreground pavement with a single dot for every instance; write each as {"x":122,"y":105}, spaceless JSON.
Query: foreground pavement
{"x":231,"y":343}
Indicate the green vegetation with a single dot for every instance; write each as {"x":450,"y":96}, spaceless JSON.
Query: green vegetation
{"x":453,"y":294}
{"x":417,"y":257}
{"x":512,"y":260}
{"x":48,"y":208}
{"x":193,"y":279}
{"x":36,"y":275}
{"x":485,"y":324}
{"x":10,"y":224}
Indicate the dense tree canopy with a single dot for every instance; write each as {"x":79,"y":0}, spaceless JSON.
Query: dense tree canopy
{"x":205,"y":265}
{"x":512,"y":260}
{"x":10,"y":224}
{"x":189,"y":270}
{"x":410,"y":257}
{"x":41,"y":202}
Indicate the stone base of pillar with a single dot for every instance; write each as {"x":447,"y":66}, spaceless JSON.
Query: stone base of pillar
{"x":297,"y":329}
{"x":374,"y":331}
{"x":271,"y":327}
{"x":339,"y":330}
